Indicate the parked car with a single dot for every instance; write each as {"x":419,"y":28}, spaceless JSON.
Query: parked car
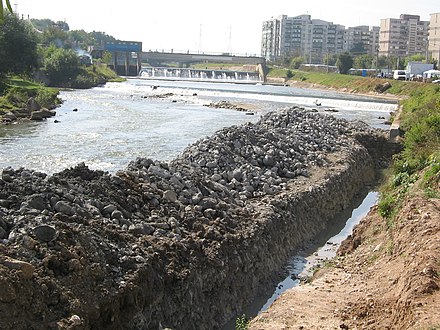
{"x":400,"y":75}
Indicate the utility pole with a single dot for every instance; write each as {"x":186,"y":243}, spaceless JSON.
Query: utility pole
{"x":200,"y":40}
{"x":230,"y":40}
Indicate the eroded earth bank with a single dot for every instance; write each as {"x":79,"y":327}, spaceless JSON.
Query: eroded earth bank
{"x":182,"y":244}
{"x":384,"y":278}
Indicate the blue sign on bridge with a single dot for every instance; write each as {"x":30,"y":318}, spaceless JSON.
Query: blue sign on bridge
{"x":123,"y":46}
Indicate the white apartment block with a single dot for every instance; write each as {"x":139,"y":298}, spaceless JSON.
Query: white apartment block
{"x":310,"y":38}
{"x":404,"y":36}
{"x":434,"y":37}
{"x":362,"y":39}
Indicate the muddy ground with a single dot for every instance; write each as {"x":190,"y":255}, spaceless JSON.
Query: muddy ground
{"x":387,"y":276}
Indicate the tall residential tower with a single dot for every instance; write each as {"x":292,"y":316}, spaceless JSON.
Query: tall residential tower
{"x":434,"y":37}
{"x":313,"y":39}
{"x":404,"y":36}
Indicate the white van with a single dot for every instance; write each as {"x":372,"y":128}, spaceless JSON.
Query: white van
{"x":400,"y":75}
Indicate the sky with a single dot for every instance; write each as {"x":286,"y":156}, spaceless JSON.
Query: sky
{"x":222,"y":26}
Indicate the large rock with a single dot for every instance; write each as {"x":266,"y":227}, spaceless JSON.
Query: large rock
{"x":32,"y":105}
{"x":42,"y":114}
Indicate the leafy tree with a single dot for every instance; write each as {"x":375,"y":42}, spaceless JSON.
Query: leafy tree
{"x":414,"y":58}
{"x":344,"y":62}
{"x":330,"y":59}
{"x":2,"y":6}
{"x":382,"y":61}
{"x":100,"y":38}
{"x":80,"y":39}
{"x":107,"y":57}
{"x":61,"y":65}
{"x":18,"y":46}
{"x":55,"y":36}
{"x":296,"y":62}
{"x":364,"y":61}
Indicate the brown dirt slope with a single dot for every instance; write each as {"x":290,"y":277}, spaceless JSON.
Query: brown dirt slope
{"x":384,"y":278}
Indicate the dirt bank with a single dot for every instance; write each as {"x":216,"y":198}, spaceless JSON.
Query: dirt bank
{"x":384,"y":278}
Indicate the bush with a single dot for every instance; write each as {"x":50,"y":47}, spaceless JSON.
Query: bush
{"x":242,"y":323}
{"x":387,"y":207}
{"x":47,"y":97}
{"x":61,"y":66}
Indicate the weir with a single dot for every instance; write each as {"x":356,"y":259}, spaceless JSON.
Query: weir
{"x":166,"y":73}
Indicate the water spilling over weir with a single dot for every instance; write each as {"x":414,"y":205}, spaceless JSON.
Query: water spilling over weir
{"x":165,"y":73}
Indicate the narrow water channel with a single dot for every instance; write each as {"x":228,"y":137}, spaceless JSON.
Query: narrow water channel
{"x":303,"y":262}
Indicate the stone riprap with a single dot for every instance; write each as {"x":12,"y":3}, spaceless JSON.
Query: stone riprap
{"x":182,"y":244}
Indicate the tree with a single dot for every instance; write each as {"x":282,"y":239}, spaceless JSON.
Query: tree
{"x":330,"y":59}
{"x":296,"y":62}
{"x":61,"y":65}
{"x":344,"y":63}
{"x":53,"y":35}
{"x":414,"y":58}
{"x":364,"y":61}
{"x":2,"y":6}
{"x":18,"y":46}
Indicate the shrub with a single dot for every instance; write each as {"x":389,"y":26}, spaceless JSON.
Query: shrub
{"x":242,"y":323}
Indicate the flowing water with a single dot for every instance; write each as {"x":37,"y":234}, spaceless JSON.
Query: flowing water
{"x":118,"y":122}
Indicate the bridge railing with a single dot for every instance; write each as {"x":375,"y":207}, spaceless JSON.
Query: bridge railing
{"x":198,"y":52}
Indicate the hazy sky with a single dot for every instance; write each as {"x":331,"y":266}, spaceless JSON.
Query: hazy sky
{"x":210,"y":26}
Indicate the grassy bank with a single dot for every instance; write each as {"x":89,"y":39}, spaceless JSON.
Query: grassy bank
{"x":419,"y":162}
{"x":16,"y":91}
{"x":94,"y":75}
{"x":355,"y":84}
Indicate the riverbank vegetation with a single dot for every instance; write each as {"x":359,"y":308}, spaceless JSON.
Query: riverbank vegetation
{"x":39,"y":56}
{"x":419,"y":162}
{"x":17,"y":91}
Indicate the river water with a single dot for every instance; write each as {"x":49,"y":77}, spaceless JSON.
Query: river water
{"x":118,"y":122}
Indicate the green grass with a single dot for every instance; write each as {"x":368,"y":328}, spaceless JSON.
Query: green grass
{"x":340,"y":81}
{"x":16,"y":91}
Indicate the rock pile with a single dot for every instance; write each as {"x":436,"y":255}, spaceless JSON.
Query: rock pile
{"x":32,"y":111}
{"x":132,"y":247}
{"x":226,"y":105}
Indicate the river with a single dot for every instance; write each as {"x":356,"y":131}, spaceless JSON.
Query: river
{"x":118,"y":122}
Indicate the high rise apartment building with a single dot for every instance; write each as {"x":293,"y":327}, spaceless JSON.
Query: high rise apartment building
{"x":310,"y":38}
{"x":434,"y":37}
{"x":361,"y":40}
{"x":270,"y":41}
{"x":313,"y":39}
{"x":404,"y":36}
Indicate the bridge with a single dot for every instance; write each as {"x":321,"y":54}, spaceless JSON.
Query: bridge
{"x":128,"y":58}
{"x":185,"y":59}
